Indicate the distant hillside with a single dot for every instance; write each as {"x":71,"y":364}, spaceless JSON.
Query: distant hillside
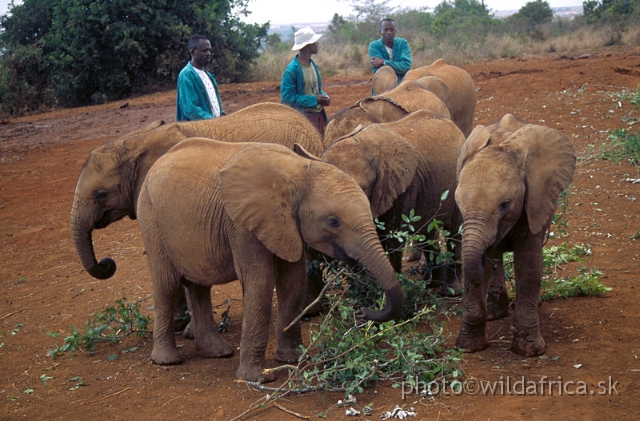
{"x":286,"y":31}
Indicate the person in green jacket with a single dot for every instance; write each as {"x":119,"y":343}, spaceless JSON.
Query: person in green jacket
{"x":301,"y":86}
{"x":390,"y":50}
{"x":197,"y":95}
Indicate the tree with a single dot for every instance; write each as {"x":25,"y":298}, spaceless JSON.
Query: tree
{"x":371,"y":11}
{"x":461,"y":20}
{"x":530,"y":18}
{"x":534,"y":13}
{"x":611,"y":10}
{"x":97,"y":50}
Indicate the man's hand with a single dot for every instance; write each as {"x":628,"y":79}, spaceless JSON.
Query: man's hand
{"x":377,"y":62}
{"x":323,"y":100}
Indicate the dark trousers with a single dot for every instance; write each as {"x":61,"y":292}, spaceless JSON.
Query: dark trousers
{"x":317,"y":119}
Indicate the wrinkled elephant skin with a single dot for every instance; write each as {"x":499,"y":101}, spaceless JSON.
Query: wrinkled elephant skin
{"x":510,"y":176}
{"x":213,"y":212}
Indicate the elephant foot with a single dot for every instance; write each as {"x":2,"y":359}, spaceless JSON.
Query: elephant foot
{"x":497,"y":305}
{"x":254,"y":373}
{"x":214,"y":349}
{"x":188,"y":332}
{"x":529,"y":345}
{"x":165,"y":356}
{"x":471,"y":343}
{"x":289,"y":355}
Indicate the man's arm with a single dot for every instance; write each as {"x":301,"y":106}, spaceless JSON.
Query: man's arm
{"x":402,"y":60}
{"x":377,"y":55}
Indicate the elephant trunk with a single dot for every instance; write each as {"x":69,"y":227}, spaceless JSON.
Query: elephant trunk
{"x":81,"y":228}
{"x":474,"y":246}
{"x":377,"y":263}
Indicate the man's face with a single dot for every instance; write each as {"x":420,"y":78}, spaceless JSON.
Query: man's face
{"x":201,"y":55}
{"x":388,"y":32}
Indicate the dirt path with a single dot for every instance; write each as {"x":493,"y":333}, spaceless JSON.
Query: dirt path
{"x":45,"y":288}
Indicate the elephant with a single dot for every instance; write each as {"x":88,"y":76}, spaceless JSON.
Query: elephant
{"x":212,"y":212}
{"x":404,"y":165}
{"x":462,"y":97}
{"x":383,"y":80}
{"x":110,"y":180}
{"x":510,"y":176}
{"x":406,"y":98}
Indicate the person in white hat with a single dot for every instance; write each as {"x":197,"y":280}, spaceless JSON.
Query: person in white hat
{"x":301,"y":86}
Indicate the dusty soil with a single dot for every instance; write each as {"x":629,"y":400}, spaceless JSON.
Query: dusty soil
{"x":45,"y":289}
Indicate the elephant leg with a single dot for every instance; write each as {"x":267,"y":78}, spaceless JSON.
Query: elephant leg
{"x":258,"y":298}
{"x":497,"y":297}
{"x":165,"y":293}
{"x":257,"y":277}
{"x":290,"y":290}
{"x":527,"y":339}
{"x":209,"y":342}
{"x":315,"y":283}
{"x":472,"y":336}
{"x":182,"y":315}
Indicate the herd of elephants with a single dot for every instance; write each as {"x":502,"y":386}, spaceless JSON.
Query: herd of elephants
{"x":252,"y":196}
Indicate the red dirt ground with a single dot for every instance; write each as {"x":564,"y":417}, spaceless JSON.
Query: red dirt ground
{"x":45,"y":289}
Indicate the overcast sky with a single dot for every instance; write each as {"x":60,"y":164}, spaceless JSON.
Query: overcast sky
{"x":295,"y":11}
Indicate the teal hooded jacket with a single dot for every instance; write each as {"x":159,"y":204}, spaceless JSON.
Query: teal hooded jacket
{"x":292,"y":88}
{"x":192,"y":101}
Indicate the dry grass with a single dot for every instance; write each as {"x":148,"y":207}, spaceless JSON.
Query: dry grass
{"x":348,"y":60}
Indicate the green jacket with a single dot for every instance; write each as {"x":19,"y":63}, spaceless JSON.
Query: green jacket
{"x":292,"y":88}
{"x":192,"y":101}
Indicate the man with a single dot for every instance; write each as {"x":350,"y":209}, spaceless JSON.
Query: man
{"x":301,"y":86}
{"x":390,"y":50}
{"x":197,"y":96}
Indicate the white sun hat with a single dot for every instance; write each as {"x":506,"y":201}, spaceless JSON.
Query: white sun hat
{"x":304,"y":36}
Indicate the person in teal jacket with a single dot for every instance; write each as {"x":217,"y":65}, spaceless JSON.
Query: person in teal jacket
{"x":301,"y":86}
{"x":197,"y":95}
{"x":390,"y":50}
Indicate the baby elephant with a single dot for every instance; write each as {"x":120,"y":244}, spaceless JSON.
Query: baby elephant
{"x":212,"y":212}
{"x":510,"y":176}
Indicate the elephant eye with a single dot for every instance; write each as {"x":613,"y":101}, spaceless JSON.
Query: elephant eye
{"x":333,"y":222}
{"x":101,"y":195}
{"x":505,"y":205}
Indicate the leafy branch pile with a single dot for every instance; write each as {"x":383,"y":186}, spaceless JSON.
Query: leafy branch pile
{"x":346,"y":354}
{"x":111,"y":325}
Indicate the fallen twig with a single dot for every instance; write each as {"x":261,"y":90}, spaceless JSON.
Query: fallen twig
{"x":106,"y":397}
{"x":12,"y":313}
{"x":317,"y":300}
{"x":295,"y":414}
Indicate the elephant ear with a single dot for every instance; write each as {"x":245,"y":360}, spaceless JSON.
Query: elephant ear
{"x":437,"y":86}
{"x":478,"y":139}
{"x":301,"y":151}
{"x":258,"y":195}
{"x":550,"y":162}
{"x":397,"y":163}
